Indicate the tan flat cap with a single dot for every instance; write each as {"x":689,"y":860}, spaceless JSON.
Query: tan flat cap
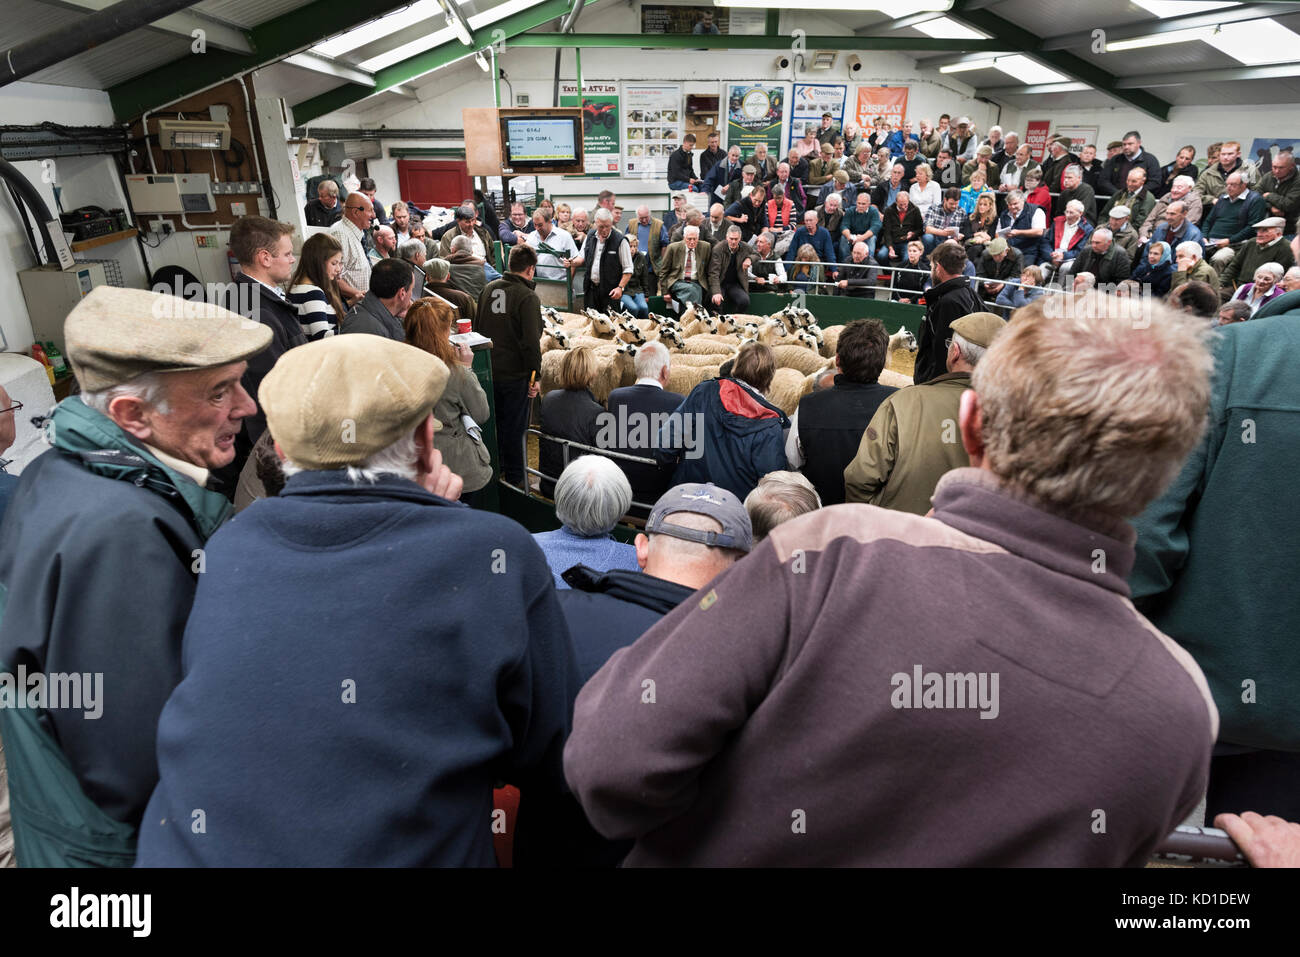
{"x":337,"y":401}
{"x":114,"y":335}
{"x":978,"y":328}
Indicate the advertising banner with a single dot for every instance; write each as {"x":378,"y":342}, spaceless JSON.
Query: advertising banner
{"x":600,"y":125}
{"x":810,"y":101}
{"x":1036,"y":138}
{"x":661,"y":18}
{"x":1081,"y":136}
{"x":754,"y":115}
{"x":652,"y":117}
{"x":887,"y":101}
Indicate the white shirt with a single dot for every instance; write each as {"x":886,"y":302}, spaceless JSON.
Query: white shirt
{"x":1038,"y":222}
{"x":923,"y":199}
{"x":548,"y":265}
{"x":1067,"y":235}
{"x":778,"y":275}
{"x":356,"y":264}
{"x":1011,"y":174}
{"x":648,"y":381}
{"x":624,"y":258}
{"x":691,"y":266}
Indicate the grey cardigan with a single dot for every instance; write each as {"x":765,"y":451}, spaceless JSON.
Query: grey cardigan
{"x":460,"y":452}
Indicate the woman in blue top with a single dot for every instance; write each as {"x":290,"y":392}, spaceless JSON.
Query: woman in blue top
{"x":590,"y":498}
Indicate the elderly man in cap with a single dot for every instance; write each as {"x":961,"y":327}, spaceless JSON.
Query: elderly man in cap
{"x":1268,"y":247}
{"x":437,"y":282}
{"x":1120,"y":224}
{"x":101,"y":583}
{"x":305,"y":739}
{"x":792,"y":729}
{"x":911,"y":440}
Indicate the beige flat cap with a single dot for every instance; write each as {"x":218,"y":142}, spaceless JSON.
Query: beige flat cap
{"x":337,"y":401}
{"x":114,"y":335}
{"x":978,"y":328}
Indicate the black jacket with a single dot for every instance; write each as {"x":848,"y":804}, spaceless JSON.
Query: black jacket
{"x":1084,"y":194}
{"x":516,"y":332}
{"x":318,"y":215}
{"x":831,"y":424}
{"x":639,"y":403}
{"x":708,"y":160}
{"x":681,"y":166}
{"x":567,"y":414}
{"x":609,"y":271}
{"x":605,"y":612}
{"x":372,"y":316}
{"x":944,"y":304}
{"x":894,"y":230}
{"x":1010,"y":267}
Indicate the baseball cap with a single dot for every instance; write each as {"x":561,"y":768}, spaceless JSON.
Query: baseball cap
{"x":703,"y":499}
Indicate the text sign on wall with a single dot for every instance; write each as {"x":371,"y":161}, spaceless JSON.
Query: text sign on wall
{"x":601,"y":152}
{"x":887,"y":101}
{"x":1036,"y":138}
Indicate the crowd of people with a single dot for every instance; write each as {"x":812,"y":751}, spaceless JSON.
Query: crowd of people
{"x":755,"y":679}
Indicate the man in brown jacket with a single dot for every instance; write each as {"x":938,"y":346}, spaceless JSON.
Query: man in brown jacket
{"x":684,"y":267}
{"x":729,"y":264}
{"x":912,"y":440}
{"x":803,"y":710}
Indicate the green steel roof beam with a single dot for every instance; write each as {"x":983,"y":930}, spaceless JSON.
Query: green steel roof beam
{"x":1076,"y":68}
{"x":272,"y":40}
{"x":510,"y":28}
{"x":688,"y":41}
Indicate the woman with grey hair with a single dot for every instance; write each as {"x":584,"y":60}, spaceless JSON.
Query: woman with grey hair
{"x":590,"y":497}
{"x":1265,"y":287}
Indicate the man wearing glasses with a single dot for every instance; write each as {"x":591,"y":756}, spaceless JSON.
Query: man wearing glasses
{"x":358,"y":212}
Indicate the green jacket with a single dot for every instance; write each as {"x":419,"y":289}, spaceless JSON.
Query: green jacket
{"x":1215,"y":565}
{"x":1201,"y":272}
{"x":1139,"y":207}
{"x":1285,"y":196}
{"x":1213,"y":183}
{"x":1251,"y":256}
{"x":911,"y":443}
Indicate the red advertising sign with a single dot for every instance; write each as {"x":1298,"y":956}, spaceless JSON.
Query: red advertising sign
{"x":1036,"y":138}
{"x":887,"y":101}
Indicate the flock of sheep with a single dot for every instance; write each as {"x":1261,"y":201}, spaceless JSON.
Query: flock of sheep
{"x":699,"y":343}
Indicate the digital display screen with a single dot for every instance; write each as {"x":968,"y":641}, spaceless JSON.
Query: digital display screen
{"x":540,"y":140}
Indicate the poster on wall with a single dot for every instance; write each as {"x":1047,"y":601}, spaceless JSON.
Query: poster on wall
{"x":1081,"y":136}
{"x":754,"y":115}
{"x":601,"y":154}
{"x":1264,"y":151}
{"x":887,"y":101}
{"x":659,"y":18}
{"x":1036,"y":138}
{"x":652,"y":118}
{"x":810,"y":101}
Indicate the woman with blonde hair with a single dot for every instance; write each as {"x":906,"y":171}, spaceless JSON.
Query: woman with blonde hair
{"x":983,"y":224}
{"x":925,"y":191}
{"x":569,"y":412}
{"x":314,"y":288}
{"x":463,"y":407}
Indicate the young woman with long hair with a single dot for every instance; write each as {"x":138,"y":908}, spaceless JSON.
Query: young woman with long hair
{"x":314,"y":288}
{"x":428,"y":326}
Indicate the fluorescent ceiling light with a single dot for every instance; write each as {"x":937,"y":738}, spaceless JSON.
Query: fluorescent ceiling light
{"x":945,"y":28}
{"x":893,"y":8}
{"x":1161,"y":39}
{"x":456,"y":20}
{"x":1027,"y":71}
{"x":1070,"y":87}
{"x":408,"y":50}
{"x":367,"y":33}
{"x":1178,"y":8}
{"x":988,"y":64}
{"x":482,"y":62}
{"x":1256,"y":42}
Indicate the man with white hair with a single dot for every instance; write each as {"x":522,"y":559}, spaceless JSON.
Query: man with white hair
{"x":1180,"y":191}
{"x":767,"y":269}
{"x":632,"y":423}
{"x":1104,"y":258}
{"x":685,"y":264}
{"x":776,"y":675}
{"x":1122,"y":231}
{"x":777,"y":498}
{"x":1073,"y":187}
{"x":651,"y":238}
{"x":608,"y":262}
{"x":1192,"y":266}
{"x":1230,"y":221}
{"x":1268,"y":247}
{"x":1004,"y":151}
{"x":301,"y":699}
{"x":591,"y":496}
{"x":1083,"y":282}
{"x":1291,"y":280}
{"x":728,"y":273}
{"x":414,"y":252}
{"x":103,"y":583}
{"x":1063,"y":242}
{"x":554,"y":246}
{"x":324,"y":210}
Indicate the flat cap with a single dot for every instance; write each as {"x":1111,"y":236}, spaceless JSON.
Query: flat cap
{"x":1066,"y":141}
{"x":1119,"y":212}
{"x":1272,"y":222}
{"x":337,"y":401}
{"x":978,"y":328}
{"x":840,"y":176}
{"x":437,"y":270}
{"x":114,"y":335}
{"x":751,"y":170}
{"x":998,"y":246}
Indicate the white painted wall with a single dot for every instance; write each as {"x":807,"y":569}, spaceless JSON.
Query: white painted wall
{"x":85,"y":180}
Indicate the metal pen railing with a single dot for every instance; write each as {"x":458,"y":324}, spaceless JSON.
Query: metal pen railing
{"x":569,"y":445}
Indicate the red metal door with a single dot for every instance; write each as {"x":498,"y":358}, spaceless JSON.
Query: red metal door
{"x":434,"y":182}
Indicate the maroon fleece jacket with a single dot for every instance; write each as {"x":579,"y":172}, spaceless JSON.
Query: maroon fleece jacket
{"x":763,"y":722}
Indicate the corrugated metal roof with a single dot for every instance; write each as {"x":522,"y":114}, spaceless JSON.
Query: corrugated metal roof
{"x":115,"y":61}
{"x":1174,"y":57}
{"x":1050,"y":18}
{"x":249,"y":13}
{"x":26,"y":20}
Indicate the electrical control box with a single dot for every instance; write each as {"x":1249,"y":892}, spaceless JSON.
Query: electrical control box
{"x":171,"y":193}
{"x":51,"y":293}
{"x":193,"y":135}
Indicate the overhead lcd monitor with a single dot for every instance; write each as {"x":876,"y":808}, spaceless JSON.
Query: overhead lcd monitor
{"x":540,"y":142}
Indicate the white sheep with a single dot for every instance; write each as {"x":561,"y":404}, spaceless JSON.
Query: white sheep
{"x":799,"y":358}
{"x":786,"y":390}
{"x":683,"y":378}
